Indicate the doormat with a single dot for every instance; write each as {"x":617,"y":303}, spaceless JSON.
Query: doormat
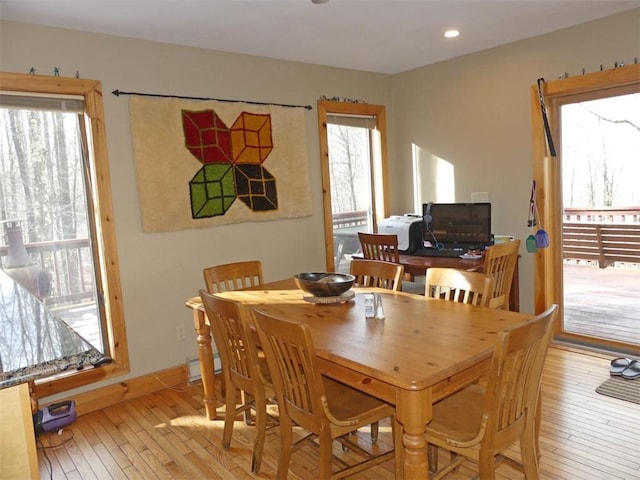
{"x":618,"y":387}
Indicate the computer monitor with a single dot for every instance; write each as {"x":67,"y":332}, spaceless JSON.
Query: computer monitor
{"x":457,"y":224}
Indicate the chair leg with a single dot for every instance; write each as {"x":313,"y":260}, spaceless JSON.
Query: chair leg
{"x":529,"y":452}
{"x":246,"y":400}
{"x":261,"y":428}
{"x":286,"y":437}
{"x":324,"y":460}
{"x":375,"y":428}
{"x":486,"y":464}
{"x":432,"y":457}
{"x":398,"y":447}
{"x":229,"y":415}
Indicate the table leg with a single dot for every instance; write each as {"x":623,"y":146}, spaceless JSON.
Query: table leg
{"x":414,"y":412}
{"x":205,"y":354}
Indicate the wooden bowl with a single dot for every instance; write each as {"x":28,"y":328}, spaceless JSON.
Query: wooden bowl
{"x":324,"y":284}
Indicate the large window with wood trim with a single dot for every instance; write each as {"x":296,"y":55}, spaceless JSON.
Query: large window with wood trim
{"x":61,"y":302}
{"x":591,"y":207}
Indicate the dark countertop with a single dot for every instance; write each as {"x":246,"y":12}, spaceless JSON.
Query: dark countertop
{"x":33,"y":342}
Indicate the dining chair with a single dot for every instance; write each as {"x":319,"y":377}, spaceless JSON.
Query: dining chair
{"x":233,"y":276}
{"x":379,"y":246}
{"x":329,"y":410}
{"x":384,"y":247}
{"x":500,"y":263}
{"x":458,"y":285}
{"x":481,"y":422}
{"x":243,"y":369}
{"x":376,"y":273}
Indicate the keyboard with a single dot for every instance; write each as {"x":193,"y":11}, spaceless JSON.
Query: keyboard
{"x":445,"y":252}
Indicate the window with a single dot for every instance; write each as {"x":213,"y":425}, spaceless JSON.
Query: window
{"x":55,"y":199}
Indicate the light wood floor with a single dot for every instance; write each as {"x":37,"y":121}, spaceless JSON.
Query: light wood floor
{"x":584,"y":435}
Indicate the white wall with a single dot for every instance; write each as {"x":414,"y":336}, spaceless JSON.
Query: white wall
{"x":474,"y":112}
{"x":160,"y":271}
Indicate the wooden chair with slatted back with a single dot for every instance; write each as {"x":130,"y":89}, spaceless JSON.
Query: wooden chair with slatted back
{"x":380,"y":246}
{"x":233,"y":276}
{"x":329,"y":410}
{"x":458,"y":285}
{"x":500,"y":263}
{"x":376,"y":273}
{"x":243,"y":368}
{"x":480,"y":422}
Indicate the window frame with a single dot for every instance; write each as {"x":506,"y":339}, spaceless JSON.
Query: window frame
{"x":381,"y":202}
{"x":106,"y":253}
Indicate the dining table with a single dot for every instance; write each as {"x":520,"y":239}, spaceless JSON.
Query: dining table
{"x":422,"y":351}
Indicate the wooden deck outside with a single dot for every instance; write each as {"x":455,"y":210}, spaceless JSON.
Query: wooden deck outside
{"x":603,"y":302}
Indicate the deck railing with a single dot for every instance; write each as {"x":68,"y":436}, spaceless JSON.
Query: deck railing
{"x":69,"y":266}
{"x":605,"y":235}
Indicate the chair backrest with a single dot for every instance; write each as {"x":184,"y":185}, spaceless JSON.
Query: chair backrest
{"x":513,"y":385}
{"x":380,"y":246}
{"x":296,"y":378}
{"x":500,"y":263}
{"x":233,"y":276}
{"x":376,"y":273}
{"x":458,"y":286}
{"x":235,"y":342}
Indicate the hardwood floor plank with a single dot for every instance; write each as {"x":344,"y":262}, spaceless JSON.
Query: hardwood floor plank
{"x":77,"y":455}
{"x":97,"y":420}
{"x":109,"y":427}
{"x":138,"y":462}
{"x":109,"y":461}
{"x":92,"y":460}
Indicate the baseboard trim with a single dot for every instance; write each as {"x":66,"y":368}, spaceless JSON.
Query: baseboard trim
{"x":104,"y":397}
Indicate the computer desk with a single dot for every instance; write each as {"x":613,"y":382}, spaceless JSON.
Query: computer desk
{"x":415,"y":265}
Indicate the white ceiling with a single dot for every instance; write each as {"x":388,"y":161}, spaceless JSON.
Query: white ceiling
{"x":385,"y":36}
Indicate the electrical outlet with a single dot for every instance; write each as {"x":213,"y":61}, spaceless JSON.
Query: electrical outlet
{"x":180,"y":335}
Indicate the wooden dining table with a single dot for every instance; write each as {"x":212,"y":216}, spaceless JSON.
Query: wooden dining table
{"x":424,"y":350}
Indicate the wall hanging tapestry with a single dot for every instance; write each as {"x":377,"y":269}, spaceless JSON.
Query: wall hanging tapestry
{"x":206,"y":163}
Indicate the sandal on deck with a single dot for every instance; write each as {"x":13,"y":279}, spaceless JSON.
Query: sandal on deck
{"x":632,"y":371}
{"x":618,"y":365}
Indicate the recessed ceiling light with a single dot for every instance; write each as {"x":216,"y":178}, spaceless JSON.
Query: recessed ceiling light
{"x":451,"y":33}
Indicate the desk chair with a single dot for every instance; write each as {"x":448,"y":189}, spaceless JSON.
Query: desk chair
{"x":376,"y":273}
{"x":380,"y":246}
{"x":458,"y":285}
{"x":500,"y":263}
{"x":242,"y":367}
{"x":480,"y":422}
{"x":329,"y":410}
{"x":233,"y":276}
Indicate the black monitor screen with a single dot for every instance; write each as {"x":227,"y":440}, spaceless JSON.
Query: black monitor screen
{"x":457,"y":223}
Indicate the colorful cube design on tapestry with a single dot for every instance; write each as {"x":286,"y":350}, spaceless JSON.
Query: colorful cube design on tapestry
{"x":256,"y":187}
{"x":207,"y":137}
{"x":251,"y":140}
{"x":212,"y":190}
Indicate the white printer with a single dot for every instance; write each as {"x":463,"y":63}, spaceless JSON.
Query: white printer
{"x":409,"y":228}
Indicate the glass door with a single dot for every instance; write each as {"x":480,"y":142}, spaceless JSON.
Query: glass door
{"x":354,"y":176}
{"x":600,"y":151}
